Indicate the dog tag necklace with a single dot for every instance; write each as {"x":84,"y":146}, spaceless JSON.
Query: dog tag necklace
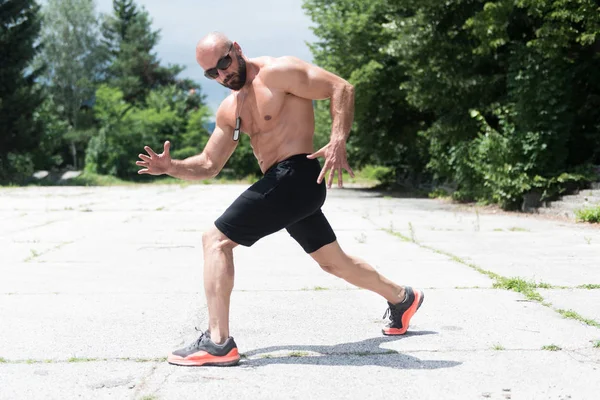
{"x":238,"y":120}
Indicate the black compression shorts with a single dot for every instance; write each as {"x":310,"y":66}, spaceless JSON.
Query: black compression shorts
{"x":287,"y":196}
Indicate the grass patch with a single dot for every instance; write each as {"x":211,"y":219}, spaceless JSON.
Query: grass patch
{"x":298,"y":354}
{"x":589,"y":286}
{"x":498,"y":347}
{"x":33,"y":255}
{"x":517,"y":229}
{"x":78,"y":360}
{"x":398,"y":234}
{"x":597,"y":344}
{"x":3,"y":360}
{"x":551,"y":347}
{"x":590,"y":214}
{"x":438,"y":193}
{"x":570,"y":314}
{"x":82,"y":360}
{"x":521,"y":286}
{"x":149,"y":397}
{"x":266,"y":356}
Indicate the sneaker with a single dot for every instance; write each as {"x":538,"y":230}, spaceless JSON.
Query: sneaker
{"x":400,"y":314}
{"x":206,"y":352}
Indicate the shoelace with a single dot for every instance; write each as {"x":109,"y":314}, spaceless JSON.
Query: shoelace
{"x":391,"y":312}
{"x":196,"y":343}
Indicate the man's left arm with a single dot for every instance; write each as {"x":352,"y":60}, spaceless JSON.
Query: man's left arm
{"x":311,"y":82}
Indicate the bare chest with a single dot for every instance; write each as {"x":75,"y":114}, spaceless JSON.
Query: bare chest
{"x":260,"y":109}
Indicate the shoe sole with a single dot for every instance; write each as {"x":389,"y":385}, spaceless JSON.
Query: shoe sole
{"x":206,"y":360}
{"x":419,"y":297}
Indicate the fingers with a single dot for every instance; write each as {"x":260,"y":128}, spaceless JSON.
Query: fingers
{"x":144,"y":157}
{"x":340,"y":180}
{"x":318,"y":153}
{"x":330,"y":178}
{"x":321,"y":175}
{"x":150,"y":151}
{"x":347,"y":167}
{"x":142,"y":163}
{"x":143,"y":171}
{"x":167,"y":147}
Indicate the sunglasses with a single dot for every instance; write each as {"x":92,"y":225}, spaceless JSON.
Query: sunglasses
{"x":223,"y":63}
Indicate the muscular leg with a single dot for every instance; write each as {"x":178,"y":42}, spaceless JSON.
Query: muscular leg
{"x":218,"y":281}
{"x":357,"y":272}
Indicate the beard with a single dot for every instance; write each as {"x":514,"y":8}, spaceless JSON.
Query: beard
{"x":237,"y":80}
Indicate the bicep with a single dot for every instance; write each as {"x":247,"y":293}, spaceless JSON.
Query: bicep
{"x":306,"y":80}
{"x":220,"y":147}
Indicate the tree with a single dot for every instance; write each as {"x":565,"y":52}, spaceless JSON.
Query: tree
{"x":354,"y":42}
{"x":129,"y":41}
{"x":499,"y":98}
{"x":20,"y":97}
{"x":72,"y":53}
{"x":124,"y":129}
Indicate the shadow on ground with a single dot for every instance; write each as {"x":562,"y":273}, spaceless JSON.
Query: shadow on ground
{"x":364,"y":352}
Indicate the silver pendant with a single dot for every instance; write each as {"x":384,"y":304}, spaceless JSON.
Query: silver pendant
{"x":236,"y":131}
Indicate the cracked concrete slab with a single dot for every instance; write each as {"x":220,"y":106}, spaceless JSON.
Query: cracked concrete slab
{"x":98,"y":285}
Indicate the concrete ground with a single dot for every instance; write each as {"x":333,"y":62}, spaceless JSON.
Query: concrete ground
{"x":98,"y":285}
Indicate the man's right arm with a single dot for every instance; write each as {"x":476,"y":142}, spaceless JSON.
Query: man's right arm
{"x":205,"y":165}
{"x":211,"y":161}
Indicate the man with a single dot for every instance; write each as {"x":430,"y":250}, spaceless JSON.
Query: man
{"x":271,"y":101}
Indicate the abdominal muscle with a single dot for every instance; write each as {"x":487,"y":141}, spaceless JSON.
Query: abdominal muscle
{"x":291,"y":132}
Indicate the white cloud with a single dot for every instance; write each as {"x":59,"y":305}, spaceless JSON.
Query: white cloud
{"x":262,"y":27}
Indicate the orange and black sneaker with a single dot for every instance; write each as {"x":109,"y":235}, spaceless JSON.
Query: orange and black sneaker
{"x":206,"y":352}
{"x":401,"y":313}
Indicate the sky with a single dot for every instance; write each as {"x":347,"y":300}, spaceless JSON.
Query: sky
{"x":261,"y":27}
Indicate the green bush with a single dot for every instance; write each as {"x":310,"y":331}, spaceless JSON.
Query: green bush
{"x":591,"y":214}
{"x":16,"y":168}
{"x":385,"y":175}
{"x":438,"y":193}
{"x":125,"y":129}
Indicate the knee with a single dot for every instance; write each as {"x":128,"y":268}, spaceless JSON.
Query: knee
{"x":333,"y":268}
{"x":214,"y":240}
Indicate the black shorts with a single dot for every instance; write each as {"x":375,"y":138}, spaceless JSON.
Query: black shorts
{"x":287,"y":196}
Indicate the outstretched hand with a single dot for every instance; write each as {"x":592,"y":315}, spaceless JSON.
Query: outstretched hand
{"x":336,"y":159}
{"x":155,"y":164}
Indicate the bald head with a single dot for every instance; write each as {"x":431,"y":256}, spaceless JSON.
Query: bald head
{"x":222,"y":60}
{"x":213,"y":44}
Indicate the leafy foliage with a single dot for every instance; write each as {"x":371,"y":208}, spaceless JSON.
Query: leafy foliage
{"x":498,"y":98}
{"x":20,"y":97}
{"x":591,"y":214}
{"x":72,"y":53}
{"x":129,"y":40}
{"x":123,"y":128}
